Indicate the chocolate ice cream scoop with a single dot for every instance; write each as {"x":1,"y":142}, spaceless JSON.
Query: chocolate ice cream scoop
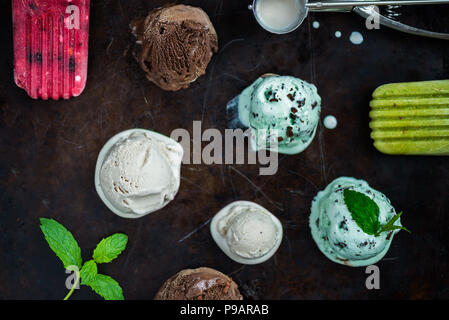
{"x":199,"y":284}
{"x":178,"y":42}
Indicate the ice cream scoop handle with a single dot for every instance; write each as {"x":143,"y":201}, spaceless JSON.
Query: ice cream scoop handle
{"x":317,"y":6}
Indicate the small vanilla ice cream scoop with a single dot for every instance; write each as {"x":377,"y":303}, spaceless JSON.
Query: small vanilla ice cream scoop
{"x":336,"y":231}
{"x":138,"y":172}
{"x":247,"y":232}
{"x":250,"y":233}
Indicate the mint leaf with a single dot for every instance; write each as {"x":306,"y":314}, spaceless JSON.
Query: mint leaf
{"x":364,"y":211}
{"x":62,"y":242}
{"x":389,"y":226}
{"x":106,"y":287}
{"x":88,"y":272}
{"x":109,"y":248}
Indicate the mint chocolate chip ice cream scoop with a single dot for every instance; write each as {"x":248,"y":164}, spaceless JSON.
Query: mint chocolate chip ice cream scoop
{"x":352,"y":223}
{"x":278,"y":109}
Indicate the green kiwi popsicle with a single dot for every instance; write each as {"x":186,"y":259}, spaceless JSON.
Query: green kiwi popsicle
{"x":411,"y":118}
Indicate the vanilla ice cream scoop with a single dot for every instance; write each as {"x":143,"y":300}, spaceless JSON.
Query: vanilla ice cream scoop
{"x":138,"y":172}
{"x":250,"y":233}
{"x":246,"y":232}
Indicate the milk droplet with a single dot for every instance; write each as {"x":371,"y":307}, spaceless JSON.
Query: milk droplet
{"x":330,"y":122}
{"x":337,"y":34}
{"x":316,"y":24}
{"x":356,"y":37}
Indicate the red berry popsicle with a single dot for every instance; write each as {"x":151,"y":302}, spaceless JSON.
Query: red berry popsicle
{"x":51,"y":40}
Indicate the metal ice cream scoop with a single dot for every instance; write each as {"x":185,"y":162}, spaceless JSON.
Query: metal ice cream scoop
{"x":364,"y":8}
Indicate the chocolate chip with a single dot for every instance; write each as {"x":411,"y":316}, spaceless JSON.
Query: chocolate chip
{"x":342,"y":260}
{"x":268,"y":94}
{"x":363,"y":244}
{"x":341,"y":245}
{"x":343,"y":225}
{"x":289,"y":131}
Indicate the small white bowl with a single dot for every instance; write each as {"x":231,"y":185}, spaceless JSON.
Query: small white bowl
{"x":105,"y":152}
{"x":221,"y":240}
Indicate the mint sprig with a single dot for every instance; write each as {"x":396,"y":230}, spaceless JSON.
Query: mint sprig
{"x":365,"y":213}
{"x":106,"y":287}
{"x":389,"y":226}
{"x":62,"y":242}
{"x":88,"y":272}
{"x":109,"y":248}
{"x":64,"y":245}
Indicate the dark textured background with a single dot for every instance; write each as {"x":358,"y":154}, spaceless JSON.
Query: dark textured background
{"x":49,"y":149}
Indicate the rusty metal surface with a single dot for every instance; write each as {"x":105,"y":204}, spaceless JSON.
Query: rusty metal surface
{"x":49,"y":149}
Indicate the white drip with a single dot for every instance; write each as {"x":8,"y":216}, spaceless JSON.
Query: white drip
{"x":356,"y":37}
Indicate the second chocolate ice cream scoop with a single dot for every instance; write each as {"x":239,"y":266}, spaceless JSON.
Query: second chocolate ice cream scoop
{"x":199,"y":284}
